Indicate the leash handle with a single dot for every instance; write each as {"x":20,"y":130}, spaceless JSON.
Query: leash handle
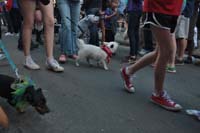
{"x":12,"y":64}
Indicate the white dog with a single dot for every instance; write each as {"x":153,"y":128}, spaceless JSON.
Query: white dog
{"x":101,"y":54}
{"x":113,"y":46}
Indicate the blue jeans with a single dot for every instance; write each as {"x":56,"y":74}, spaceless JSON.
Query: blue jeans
{"x":69,"y":11}
{"x":133,"y":31}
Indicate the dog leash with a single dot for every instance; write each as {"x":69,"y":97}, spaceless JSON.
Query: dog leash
{"x":19,"y":85}
{"x":12,"y":64}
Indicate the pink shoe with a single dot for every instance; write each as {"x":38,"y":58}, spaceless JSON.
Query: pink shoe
{"x":62,"y":58}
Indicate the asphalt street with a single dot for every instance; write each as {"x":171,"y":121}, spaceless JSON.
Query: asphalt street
{"x":89,"y":99}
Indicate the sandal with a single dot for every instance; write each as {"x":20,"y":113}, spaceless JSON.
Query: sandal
{"x":62,"y":58}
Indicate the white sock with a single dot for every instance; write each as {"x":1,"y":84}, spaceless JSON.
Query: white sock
{"x":50,"y":59}
{"x":127,"y":71}
{"x":28,"y":58}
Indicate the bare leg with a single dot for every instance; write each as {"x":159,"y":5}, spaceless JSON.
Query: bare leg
{"x":171,"y":62}
{"x":142,"y":62}
{"x":48,"y":19}
{"x":182,"y":44}
{"x":164,"y":40}
{"x":27,"y":9}
{"x":165,"y":43}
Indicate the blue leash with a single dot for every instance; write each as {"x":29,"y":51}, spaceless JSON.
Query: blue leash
{"x":12,"y":64}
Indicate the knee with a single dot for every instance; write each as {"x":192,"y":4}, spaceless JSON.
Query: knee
{"x":28,"y":24}
{"x":49,"y":23}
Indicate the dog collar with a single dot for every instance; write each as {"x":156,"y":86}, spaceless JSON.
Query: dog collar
{"x":108,"y":52}
{"x":19,"y":87}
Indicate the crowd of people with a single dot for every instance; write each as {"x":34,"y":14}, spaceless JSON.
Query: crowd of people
{"x":167,"y":27}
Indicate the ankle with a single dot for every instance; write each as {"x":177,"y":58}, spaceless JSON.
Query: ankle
{"x":28,"y":57}
{"x":127,"y":71}
{"x":50,"y":59}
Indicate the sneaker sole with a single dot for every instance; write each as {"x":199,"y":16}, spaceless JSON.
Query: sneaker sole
{"x":170,"y":71}
{"x":51,"y":69}
{"x":166,"y":107}
{"x":30,"y":68}
{"x":62,"y":62}
{"x":126,"y":88}
{"x":180,"y":64}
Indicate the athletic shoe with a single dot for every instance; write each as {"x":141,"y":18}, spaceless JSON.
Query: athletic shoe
{"x":171,"y":69}
{"x":188,"y":60}
{"x":54,"y":66}
{"x":30,"y":64}
{"x":9,"y":34}
{"x":165,"y":101}
{"x":179,"y":62}
{"x":197,"y":62}
{"x":2,"y":56}
{"x":132,"y":60}
{"x":127,"y":81}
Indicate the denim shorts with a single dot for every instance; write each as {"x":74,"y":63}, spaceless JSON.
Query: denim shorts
{"x":164,"y":21}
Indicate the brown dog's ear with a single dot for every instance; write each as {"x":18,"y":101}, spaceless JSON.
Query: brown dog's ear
{"x":3,"y":118}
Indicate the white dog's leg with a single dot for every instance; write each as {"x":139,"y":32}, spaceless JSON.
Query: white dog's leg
{"x":88,"y":61}
{"x":104,"y":64}
{"x":77,"y":61}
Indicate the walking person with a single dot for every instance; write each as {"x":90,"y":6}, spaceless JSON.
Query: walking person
{"x":162,"y":16}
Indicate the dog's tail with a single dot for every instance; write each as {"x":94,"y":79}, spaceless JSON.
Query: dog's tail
{"x":80,"y":43}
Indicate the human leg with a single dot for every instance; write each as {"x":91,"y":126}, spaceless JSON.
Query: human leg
{"x":27,"y":9}
{"x":75,"y":14}
{"x":48,"y":18}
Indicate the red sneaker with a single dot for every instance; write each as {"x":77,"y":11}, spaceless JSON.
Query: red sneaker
{"x":127,"y":81}
{"x":165,"y":101}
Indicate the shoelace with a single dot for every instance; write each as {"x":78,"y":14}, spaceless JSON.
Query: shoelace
{"x":31,"y":62}
{"x":167,"y":98}
{"x":54,"y":63}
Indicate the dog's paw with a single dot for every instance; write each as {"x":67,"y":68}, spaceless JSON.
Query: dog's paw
{"x":106,"y":68}
{"x":77,"y":64}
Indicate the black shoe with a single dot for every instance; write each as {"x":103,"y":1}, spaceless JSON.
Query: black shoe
{"x":188,"y":60}
{"x":179,"y":62}
{"x":40,"y":41}
{"x":132,"y":59}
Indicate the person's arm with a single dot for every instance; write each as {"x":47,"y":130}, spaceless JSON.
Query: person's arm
{"x":112,"y":15}
{"x":3,"y":118}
